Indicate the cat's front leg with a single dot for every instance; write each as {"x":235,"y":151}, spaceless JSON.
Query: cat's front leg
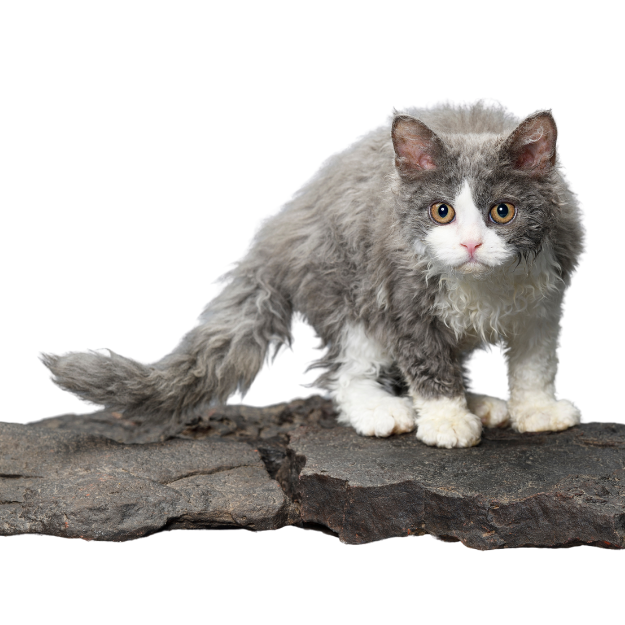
{"x":446,"y":421}
{"x":432,"y":368}
{"x":532,"y":366}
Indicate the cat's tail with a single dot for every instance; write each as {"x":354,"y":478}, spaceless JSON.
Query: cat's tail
{"x":222,"y":355}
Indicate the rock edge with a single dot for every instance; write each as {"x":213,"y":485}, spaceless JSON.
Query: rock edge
{"x":100,"y":477}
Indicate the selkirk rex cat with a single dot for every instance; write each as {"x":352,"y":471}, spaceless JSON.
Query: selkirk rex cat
{"x":450,"y":229}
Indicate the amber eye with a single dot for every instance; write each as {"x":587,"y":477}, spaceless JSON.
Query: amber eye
{"x":442,"y":213}
{"x":502,"y":213}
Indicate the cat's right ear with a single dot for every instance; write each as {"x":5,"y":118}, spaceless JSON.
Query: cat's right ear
{"x":531,"y":148}
{"x":417,"y":148}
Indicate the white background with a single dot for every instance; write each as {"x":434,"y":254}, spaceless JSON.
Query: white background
{"x":142,"y":144}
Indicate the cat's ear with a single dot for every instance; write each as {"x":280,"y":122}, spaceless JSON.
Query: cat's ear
{"x":417,"y":148}
{"x":532,"y":146}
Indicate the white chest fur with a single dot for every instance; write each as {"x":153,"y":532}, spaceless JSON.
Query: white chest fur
{"x":493,"y":306}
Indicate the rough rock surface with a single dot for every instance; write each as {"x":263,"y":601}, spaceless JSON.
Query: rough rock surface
{"x":267,"y":429}
{"x":101,"y":477}
{"x":83,"y":485}
{"x":513,"y":490}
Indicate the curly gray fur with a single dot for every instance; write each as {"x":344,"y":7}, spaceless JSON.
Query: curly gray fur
{"x":344,"y":238}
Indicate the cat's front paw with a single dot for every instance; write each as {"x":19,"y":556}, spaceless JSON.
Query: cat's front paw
{"x":493,"y":412}
{"x":379,"y":416}
{"x":544,"y":416}
{"x":447,"y":423}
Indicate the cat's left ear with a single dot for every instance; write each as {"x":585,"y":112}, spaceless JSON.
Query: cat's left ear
{"x":417,"y":148}
{"x":532,"y":146}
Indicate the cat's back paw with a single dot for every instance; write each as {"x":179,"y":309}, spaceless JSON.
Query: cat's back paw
{"x":492,"y":411}
{"x":552,"y":416}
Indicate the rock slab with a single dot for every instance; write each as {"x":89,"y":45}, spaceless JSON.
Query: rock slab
{"x":513,"y":490}
{"x":87,"y":486}
{"x":100,"y":477}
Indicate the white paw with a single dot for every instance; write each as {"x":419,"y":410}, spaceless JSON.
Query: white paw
{"x":452,"y":431}
{"x":447,"y":423}
{"x":544,"y":416}
{"x":379,"y":416}
{"x":492,"y":412}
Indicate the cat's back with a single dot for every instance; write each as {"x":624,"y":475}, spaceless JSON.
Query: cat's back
{"x":466,"y":119}
{"x":361,"y":171}
{"x":349,"y":200}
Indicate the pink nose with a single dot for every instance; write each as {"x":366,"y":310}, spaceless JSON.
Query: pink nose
{"x":471,"y":246}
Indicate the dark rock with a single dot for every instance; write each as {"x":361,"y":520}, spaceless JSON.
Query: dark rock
{"x":265,"y":428}
{"x":513,"y":490}
{"x":87,"y":486}
{"x":79,"y":475}
{"x":235,"y":422}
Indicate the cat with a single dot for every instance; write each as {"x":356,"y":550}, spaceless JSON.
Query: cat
{"x":448,"y":229}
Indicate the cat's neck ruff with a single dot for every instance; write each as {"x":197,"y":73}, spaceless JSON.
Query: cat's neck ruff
{"x":490,"y":306}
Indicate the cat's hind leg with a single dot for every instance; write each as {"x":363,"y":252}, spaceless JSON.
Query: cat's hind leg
{"x":362,"y":401}
{"x":492,"y":411}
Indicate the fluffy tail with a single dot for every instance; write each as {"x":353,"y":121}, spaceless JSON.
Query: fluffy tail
{"x":221,"y":355}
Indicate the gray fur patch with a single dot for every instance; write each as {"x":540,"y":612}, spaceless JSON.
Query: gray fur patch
{"x":342,"y":251}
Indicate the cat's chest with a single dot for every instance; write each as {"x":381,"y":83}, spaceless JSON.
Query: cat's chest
{"x":489,"y":310}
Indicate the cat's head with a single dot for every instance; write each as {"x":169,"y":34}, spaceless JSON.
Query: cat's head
{"x":473,"y":202}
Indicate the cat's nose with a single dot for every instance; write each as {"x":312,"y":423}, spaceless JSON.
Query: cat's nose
{"x":471,"y":246}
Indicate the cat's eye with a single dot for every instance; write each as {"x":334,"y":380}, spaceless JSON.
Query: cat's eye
{"x":442,"y":213}
{"x":502,"y":213}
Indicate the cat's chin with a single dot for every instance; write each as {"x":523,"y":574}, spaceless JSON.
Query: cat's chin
{"x":473,"y":267}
